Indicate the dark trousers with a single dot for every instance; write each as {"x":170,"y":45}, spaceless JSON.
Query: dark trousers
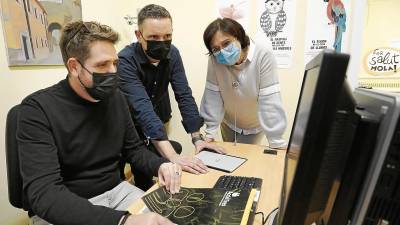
{"x":144,"y":181}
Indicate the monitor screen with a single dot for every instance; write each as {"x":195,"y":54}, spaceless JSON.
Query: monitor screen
{"x":322,"y":133}
{"x":297,"y":135}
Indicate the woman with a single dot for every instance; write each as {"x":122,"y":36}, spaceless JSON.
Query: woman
{"x":242,"y":89}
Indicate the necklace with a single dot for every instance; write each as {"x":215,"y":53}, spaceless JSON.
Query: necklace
{"x":235,"y":86}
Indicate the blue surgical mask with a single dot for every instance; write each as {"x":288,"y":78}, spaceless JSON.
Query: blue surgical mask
{"x":228,"y":55}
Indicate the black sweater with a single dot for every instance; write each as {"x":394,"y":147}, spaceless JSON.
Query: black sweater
{"x":70,"y":151}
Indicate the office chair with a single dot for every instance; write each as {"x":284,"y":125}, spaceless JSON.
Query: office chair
{"x":15,"y":191}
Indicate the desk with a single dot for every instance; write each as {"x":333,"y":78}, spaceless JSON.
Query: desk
{"x":268,"y":167}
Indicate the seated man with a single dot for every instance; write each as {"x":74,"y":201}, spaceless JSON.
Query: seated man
{"x":147,"y":68}
{"x":74,"y":135}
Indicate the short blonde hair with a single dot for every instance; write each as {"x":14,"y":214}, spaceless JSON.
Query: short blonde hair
{"x":76,"y":38}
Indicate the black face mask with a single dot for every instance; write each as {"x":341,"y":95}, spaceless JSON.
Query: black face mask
{"x":157,"y":49}
{"x":104,"y":84}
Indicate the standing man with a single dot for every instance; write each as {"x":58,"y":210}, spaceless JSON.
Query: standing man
{"x":146,"y":69}
{"x":73,"y":136}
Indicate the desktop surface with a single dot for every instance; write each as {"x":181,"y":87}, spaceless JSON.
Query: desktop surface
{"x":268,"y":167}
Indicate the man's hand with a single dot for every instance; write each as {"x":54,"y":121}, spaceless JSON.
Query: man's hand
{"x":200,"y":145}
{"x":148,"y":219}
{"x":190,"y":164}
{"x":169,"y":175}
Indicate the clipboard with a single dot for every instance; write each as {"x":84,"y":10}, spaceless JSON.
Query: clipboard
{"x":226,"y":163}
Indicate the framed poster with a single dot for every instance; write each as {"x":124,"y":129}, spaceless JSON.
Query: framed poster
{"x":32,"y":29}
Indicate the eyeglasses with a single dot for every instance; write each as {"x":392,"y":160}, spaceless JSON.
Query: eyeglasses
{"x":81,"y":26}
{"x":216,"y":50}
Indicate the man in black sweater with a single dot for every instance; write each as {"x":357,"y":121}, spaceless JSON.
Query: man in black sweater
{"x":74,"y":136}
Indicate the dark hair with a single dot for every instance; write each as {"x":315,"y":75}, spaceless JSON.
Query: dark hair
{"x":152,"y":11}
{"x":228,"y":26}
{"x":76,"y":38}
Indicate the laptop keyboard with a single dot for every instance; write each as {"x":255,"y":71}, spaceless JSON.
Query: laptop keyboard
{"x":234,"y":182}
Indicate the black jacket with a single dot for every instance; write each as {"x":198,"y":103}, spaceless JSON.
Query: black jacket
{"x":146,"y":89}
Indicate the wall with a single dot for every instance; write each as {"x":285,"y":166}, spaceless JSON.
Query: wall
{"x":15,"y":84}
{"x":381,"y":28}
{"x":189,"y":21}
{"x":381,"y":31}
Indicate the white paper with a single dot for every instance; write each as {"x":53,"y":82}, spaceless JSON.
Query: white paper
{"x":220,"y":161}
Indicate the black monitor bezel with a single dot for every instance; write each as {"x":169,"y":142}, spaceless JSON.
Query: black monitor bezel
{"x":331,"y":76}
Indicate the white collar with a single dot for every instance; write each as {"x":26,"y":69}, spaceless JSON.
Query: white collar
{"x":250,"y":54}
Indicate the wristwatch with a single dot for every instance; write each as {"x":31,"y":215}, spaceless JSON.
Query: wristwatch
{"x":197,"y":138}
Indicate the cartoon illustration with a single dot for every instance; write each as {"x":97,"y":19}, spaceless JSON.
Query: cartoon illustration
{"x":337,"y":15}
{"x":273,"y":14}
{"x":232,"y":11}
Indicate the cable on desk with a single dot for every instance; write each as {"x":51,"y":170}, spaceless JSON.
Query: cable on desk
{"x":266,"y":219}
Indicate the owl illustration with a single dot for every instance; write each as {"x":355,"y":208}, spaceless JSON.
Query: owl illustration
{"x":273,"y":14}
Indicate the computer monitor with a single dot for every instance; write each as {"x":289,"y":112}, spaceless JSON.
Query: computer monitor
{"x":378,"y":198}
{"x":357,"y":163}
{"x":369,"y":193}
{"x":320,"y":140}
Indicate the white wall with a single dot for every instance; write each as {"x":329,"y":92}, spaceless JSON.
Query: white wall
{"x":189,"y":21}
{"x":381,"y":31}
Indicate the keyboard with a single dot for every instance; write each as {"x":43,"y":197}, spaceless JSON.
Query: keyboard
{"x":233,"y":182}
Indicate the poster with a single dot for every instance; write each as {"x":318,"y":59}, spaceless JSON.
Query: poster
{"x":275,"y":24}
{"x":327,"y":27}
{"x":32,"y":29}
{"x":382,"y":62}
